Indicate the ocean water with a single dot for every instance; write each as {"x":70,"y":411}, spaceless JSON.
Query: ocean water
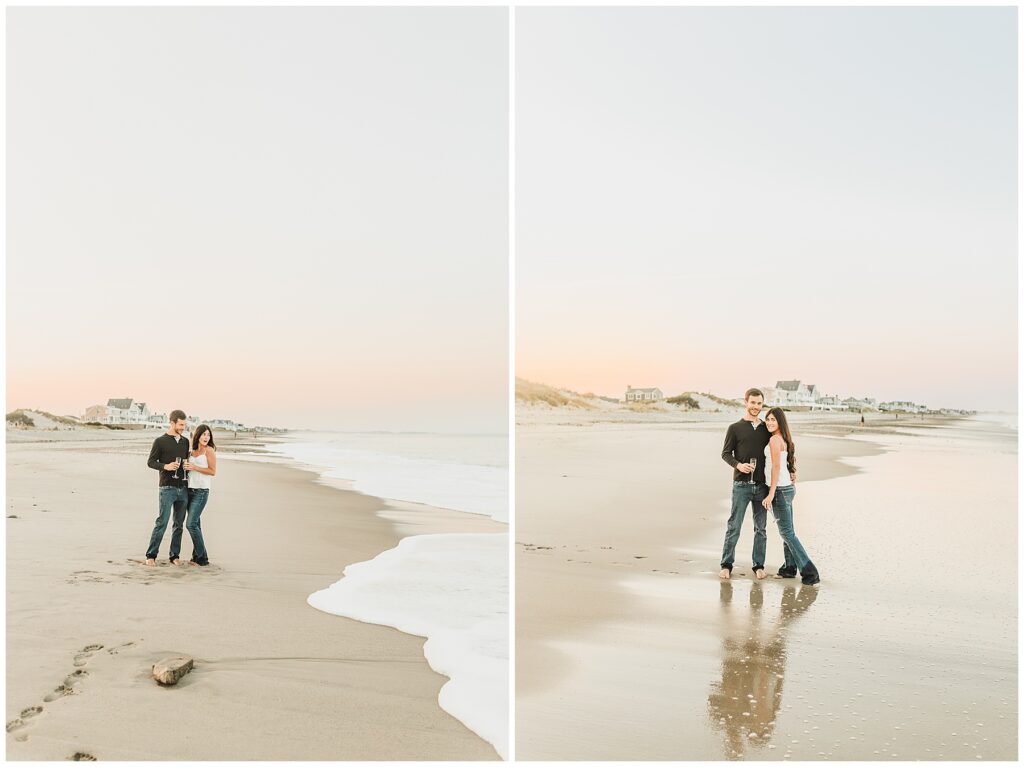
{"x":449,"y":471}
{"x":450,"y":588}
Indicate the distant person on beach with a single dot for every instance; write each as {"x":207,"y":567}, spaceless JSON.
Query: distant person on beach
{"x":780,"y":468}
{"x":202,"y":468}
{"x":169,"y":456}
{"x":745,"y":442}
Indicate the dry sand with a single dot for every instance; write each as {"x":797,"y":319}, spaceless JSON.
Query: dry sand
{"x":628,"y":646}
{"x":274,"y":678}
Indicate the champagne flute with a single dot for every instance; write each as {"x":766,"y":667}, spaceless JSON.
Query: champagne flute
{"x":753,"y":468}
{"x":188,"y":455}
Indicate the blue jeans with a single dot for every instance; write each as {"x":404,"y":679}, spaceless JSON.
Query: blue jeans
{"x":782,"y":509}
{"x":170,"y":497}
{"x":744,"y":494}
{"x":197,"y":498}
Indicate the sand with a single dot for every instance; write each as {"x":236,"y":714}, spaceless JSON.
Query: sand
{"x":274,"y":678}
{"x":628,"y":646}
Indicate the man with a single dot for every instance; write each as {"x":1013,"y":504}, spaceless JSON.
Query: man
{"x":169,"y":456}
{"x":745,"y":442}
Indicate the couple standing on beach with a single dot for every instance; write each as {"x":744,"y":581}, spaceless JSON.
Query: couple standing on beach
{"x":762,"y":455}
{"x":187,"y":467}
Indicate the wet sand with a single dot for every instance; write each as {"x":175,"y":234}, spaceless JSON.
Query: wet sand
{"x":274,"y":678}
{"x":630,"y":647}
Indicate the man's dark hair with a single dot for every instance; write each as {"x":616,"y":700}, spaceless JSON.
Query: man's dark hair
{"x":177,"y":415}
{"x":753,"y":393}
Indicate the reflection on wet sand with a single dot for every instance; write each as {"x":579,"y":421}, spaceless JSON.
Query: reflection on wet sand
{"x":745,"y":703}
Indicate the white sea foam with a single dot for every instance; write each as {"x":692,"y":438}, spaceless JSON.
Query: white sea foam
{"x":452,"y":589}
{"x":464,"y":473}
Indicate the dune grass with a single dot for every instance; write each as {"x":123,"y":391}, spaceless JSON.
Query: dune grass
{"x":534,"y":393}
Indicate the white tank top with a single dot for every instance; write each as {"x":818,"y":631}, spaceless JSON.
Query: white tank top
{"x":784,"y":480}
{"x":196,"y":479}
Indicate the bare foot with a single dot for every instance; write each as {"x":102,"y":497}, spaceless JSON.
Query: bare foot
{"x":726,"y":574}
{"x":760,"y":574}
{"x":151,"y":563}
{"x":176,"y":561}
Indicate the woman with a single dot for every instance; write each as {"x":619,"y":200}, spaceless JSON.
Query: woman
{"x":202,"y":467}
{"x":779,"y":455}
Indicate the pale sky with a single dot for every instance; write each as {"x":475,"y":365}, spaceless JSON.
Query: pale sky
{"x":710,"y":199}
{"x":285,"y":216}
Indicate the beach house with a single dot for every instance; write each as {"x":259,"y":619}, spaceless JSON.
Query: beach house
{"x":902,"y":406}
{"x":643,"y":395}
{"x":118,"y":411}
{"x":829,"y":402}
{"x":860,"y":405}
{"x":791,"y":393}
{"x":225,"y":423}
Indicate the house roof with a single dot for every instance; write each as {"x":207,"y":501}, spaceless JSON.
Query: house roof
{"x":793,"y":386}
{"x":651,"y":389}
{"x":123,"y":404}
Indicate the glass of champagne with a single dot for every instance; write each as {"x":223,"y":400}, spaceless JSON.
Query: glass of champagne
{"x":753,"y":468}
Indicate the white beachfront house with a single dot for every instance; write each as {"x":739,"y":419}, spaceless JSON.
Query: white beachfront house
{"x":829,"y":402}
{"x":118,"y":411}
{"x":902,"y":406}
{"x":643,"y":395}
{"x":860,"y":405}
{"x":791,"y":393}
{"x":224,"y":423}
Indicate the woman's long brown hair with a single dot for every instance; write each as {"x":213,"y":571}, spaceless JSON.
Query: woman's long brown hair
{"x":780,"y":418}
{"x":198,"y":433}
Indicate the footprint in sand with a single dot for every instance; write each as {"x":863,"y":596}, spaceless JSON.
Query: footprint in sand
{"x":57,"y":694}
{"x":67,"y":687}
{"x":85,"y":653}
{"x":81,"y":756}
{"x":87,"y":576}
{"x":116,"y":650}
{"x":15,"y":725}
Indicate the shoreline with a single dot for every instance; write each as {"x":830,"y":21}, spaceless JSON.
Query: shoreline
{"x":641,"y":652}
{"x":417,"y":587}
{"x":597,"y":556}
{"x":274,"y":678}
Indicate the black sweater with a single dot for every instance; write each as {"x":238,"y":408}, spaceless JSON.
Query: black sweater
{"x":743,"y":442}
{"x":165,"y":450}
